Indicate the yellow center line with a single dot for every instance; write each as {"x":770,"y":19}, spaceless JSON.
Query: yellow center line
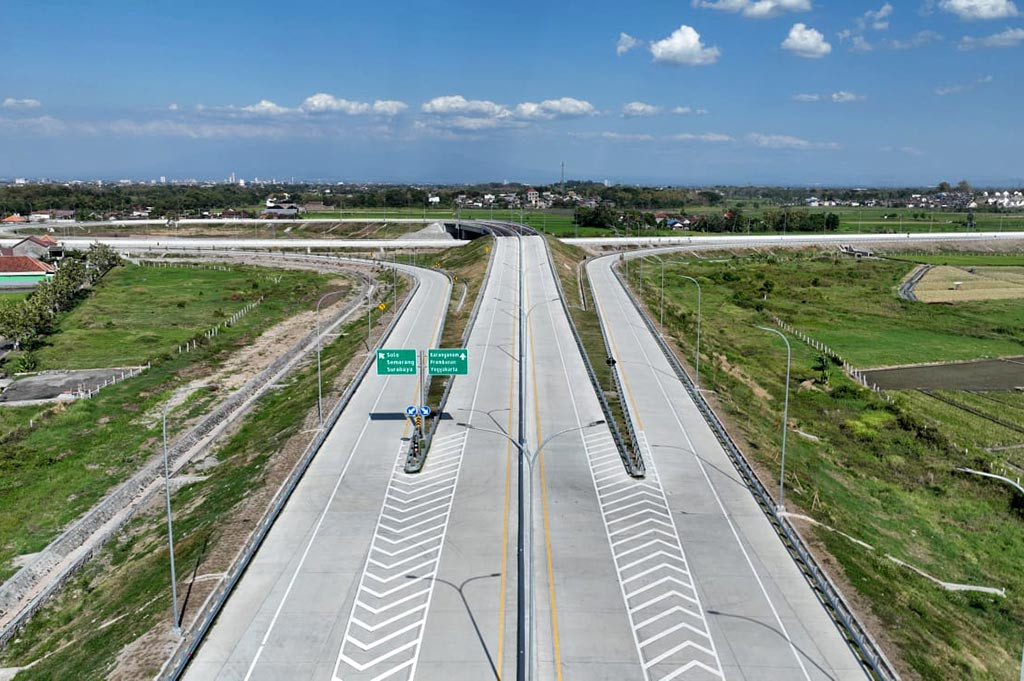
{"x":504,"y":530}
{"x":544,"y":506}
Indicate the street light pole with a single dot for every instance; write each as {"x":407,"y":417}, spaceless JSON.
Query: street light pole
{"x":696,"y":364}
{"x":785,"y":418}
{"x":527,"y":458}
{"x":662,"y":293}
{"x":524,"y":573}
{"x":170,"y":530}
{"x":319,"y":375}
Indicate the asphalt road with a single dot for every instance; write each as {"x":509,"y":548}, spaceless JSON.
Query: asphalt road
{"x":290,"y":612}
{"x":751,"y":614}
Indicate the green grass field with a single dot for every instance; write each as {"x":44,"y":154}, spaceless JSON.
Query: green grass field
{"x":123,"y":592}
{"x":51,"y":473}
{"x":963,"y":259}
{"x":852,"y":306}
{"x":142,"y":312}
{"x":881,"y":473}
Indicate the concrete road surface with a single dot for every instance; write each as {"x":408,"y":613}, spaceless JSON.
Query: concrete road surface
{"x":742,"y":603}
{"x":374,"y":574}
{"x":290,"y":612}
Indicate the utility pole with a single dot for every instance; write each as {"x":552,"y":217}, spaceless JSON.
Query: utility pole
{"x":785,"y":418}
{"x":170,"y":531}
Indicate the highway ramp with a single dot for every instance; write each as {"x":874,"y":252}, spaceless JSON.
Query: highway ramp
{"x":289,"y":612}
{"x":762,"y":616}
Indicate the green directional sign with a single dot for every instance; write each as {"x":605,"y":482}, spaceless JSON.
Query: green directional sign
{"x":447,"y":361}
{"x":396,"y":362}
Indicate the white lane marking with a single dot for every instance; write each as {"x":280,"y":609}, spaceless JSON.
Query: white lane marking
{"x":388,"y":647}
{"x":686,"y":654}
{"x":732,"y":527}
{"x":428,"y":293}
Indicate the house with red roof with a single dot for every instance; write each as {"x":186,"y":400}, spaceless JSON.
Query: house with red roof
{"x":23,"y":271}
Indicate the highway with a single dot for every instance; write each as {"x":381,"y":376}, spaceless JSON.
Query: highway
{"x":758,"y":616}
{"x":148,"y":243}
{"x":371,"y":573}
{"x":288,"y":615}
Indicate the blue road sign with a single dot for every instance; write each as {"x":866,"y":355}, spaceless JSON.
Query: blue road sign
{"x":424,"y":411}
{"x":410,"y":411}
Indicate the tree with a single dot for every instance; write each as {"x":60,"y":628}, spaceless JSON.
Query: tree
{"x":710,"y":198}
{"x":944,"y":187}
{"x":766,"y":287}
{"x":963,"y":186}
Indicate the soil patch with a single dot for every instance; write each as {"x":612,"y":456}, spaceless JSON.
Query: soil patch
{"x":983,"y":375}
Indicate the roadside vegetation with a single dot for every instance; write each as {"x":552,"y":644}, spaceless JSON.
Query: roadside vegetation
{"x":27,"y":321}
{"x":567,"y":261}
{"x":113,"y":617}
{"x":467,"y":266}
{"x":878,"y":472}
{"x":57,"y":461}
{"x":299,"y":229}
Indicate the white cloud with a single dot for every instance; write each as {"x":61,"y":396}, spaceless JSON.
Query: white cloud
{"x":389,"y":107}
{"x":265,"y":107}
{"x":687,"y":110}
{"x":787,"y":142}
{"x":49,"y":126}
{"x":919,"y":39}
{"x":806,"y":42}
{"x":962,"y":87}
{"x":1011,"y":37}
{"x":980,"y":9}
{"x":634,"y":109}
{"x":564,"y":107}
{"x":626,"y":137}
{"x":764,"y":9}
{"x":710,"y":137}
{"x":625,"y":43}
{"x":756,"y":9}
{"x":41,"y":125}
{"x":845,"y":96}
{"x":878,"y":19}
{"x":684,"y":46}
{"x":12,"y":103}
{"x":614,"y":136}
{"x":173,"y":106}
{"x":839,"y":97}
{"x":322,"y":102}
{"x":457,"y":112}
{"x":860,"y":44}
{"x":457,"y":104}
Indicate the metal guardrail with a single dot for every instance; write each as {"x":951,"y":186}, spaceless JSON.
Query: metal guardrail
{"x":415,"y":460}
{"x":865,"y":647}
{"x":176,"y":664}
{"x":634,"y":441}
{"x":632,"y":461}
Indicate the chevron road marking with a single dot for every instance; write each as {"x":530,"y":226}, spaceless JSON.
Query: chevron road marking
{"x":665,"y":613}
{"x":386,"y":625}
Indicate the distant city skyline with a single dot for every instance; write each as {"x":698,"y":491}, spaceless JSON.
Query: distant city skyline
{"x":736,"y":92}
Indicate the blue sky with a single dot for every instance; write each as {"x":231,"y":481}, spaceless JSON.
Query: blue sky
{"x":685,"y":92}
